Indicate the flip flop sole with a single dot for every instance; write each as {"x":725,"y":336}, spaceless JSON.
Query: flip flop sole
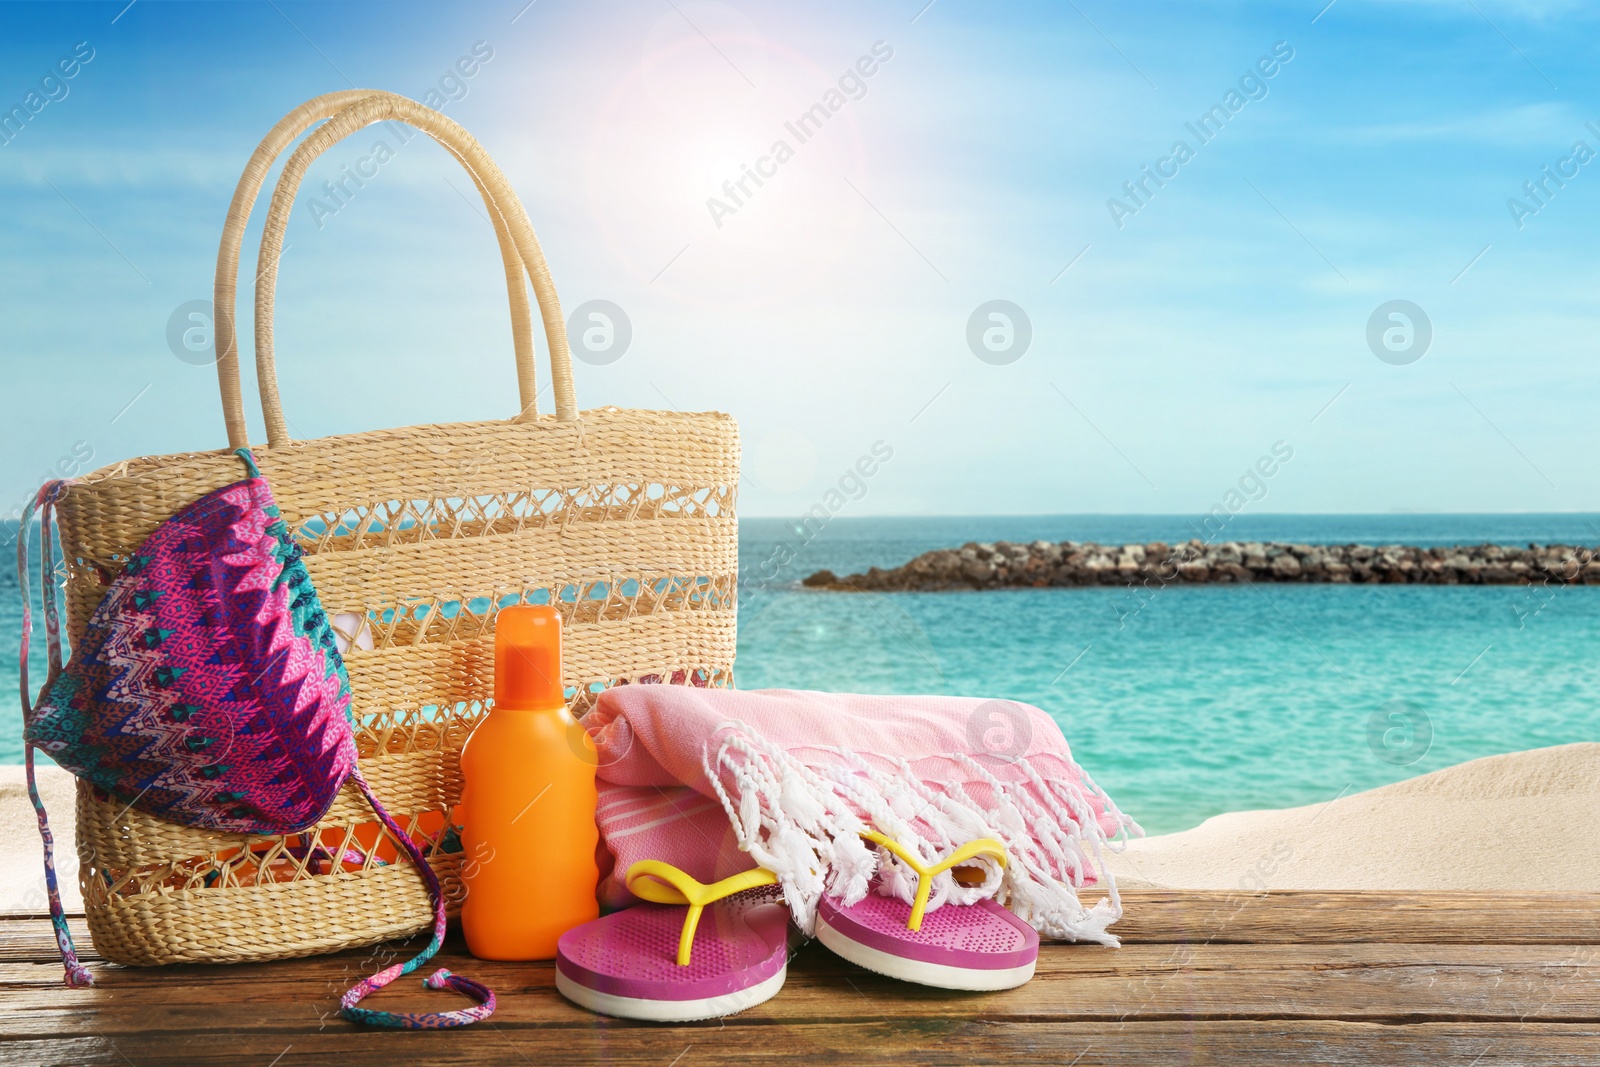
{"x":624,"y":964}
{"x":669,"y":1011}
{"x":979,"y":946}
{"x":939,"y":975}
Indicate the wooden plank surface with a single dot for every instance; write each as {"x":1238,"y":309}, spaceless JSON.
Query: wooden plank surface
{"x":1380,"y":983}
{"x":1284,"y":978}
{"x":1318,"y":917}
{"x":1302,"y":917}
{"x":1226,"y":1044}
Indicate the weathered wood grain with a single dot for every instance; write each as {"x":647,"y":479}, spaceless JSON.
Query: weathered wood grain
{"x":1302,"y":978}
{"x":1370,"y":982}
{"x":1166,"y":916}
{"x":1303,"y":917}
{"x":866,"y":1041}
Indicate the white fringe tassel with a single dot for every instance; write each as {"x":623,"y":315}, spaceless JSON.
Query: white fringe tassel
{"x":802,"y":823}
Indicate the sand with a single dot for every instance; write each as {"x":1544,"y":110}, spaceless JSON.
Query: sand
{"x":1522,"y":822}
{"x":21,"y":863}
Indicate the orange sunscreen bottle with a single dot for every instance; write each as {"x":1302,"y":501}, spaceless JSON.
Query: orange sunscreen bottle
{"x":528,"y":800}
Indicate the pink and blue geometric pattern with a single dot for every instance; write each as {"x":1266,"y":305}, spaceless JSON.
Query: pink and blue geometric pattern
{"x":207,"y":688}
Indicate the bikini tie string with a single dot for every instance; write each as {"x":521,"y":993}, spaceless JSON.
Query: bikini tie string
{"x":440,"y":979}
{"x":77,"y":976}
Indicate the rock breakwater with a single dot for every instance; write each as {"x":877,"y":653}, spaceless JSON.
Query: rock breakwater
{"x":1073,"y":563}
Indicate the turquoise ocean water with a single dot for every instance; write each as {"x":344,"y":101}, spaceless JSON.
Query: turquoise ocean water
{"x":1191,"y":701}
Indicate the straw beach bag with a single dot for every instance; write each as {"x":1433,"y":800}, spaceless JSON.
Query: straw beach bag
{"x":624,"y":519}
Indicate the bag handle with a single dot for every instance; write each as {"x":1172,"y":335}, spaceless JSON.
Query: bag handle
{"x":378,"y":107}
{"x":226,"y":284}
{"x":287,"y":129}
{"x":225,"y":289}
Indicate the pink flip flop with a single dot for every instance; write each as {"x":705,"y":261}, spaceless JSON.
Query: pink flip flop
{"x":659,"y":962}
{"x":959,"y":946}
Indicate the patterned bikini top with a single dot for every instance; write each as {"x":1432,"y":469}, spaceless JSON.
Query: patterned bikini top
{"x":207,"y":689}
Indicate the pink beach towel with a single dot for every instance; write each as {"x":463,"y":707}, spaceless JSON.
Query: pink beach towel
{"x":718,"y":781}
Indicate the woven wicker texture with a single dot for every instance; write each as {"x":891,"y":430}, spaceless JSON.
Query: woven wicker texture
{"x":625,"y":519}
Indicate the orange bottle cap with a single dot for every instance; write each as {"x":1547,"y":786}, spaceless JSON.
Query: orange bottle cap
{"x":527,"y":658}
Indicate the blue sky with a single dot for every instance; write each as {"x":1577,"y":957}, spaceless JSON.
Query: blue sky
{"x":830,"y":310}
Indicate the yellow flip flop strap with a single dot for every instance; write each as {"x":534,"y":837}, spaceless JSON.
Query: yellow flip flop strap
{"x":662,"y":883}
{"x":983,"y":846}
